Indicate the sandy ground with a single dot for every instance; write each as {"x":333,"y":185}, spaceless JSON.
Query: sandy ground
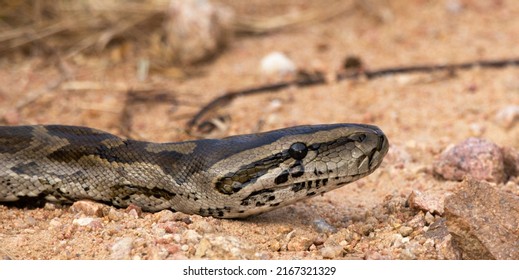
{"x":421,"y":114}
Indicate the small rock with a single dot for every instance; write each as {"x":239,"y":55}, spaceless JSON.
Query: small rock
{"x":187,"y":220}
{"x":191,"y":237}
{"x":429,"y":218}
{"x":87,"y":207}
{"x":320,"y":239}
{"x":397,"y":240}
{"x":366,"y":229}
{"x":427,"y":203}
{"x":438,"y":230}
{"x":476,"y":158}
{"x":324,"y":227}
{"x":203,"y":227}
{"x":274,"y":245}
{"x":202,"y":248}
{"x":405,"y":231}
{"x":224,"y":247}
{"x":182,"y":217}
{"x":50,"y":206}
{"x":285,"y":229}
{"x":429,"y":243}
{"x":177,"y":238}
{"x":164,"y":216}
{"x":83,"y":221}
{"x":277,"y":64}
{"x":447,"y":250}
{"x":483,"y":221}
{"x":55,"y":222}
{"x":115,"y":215}
{"x":299,"y":243}
{"x":170,"y":227}
{"x":331,"y":252}
{"x":417,"y":221}
{"x":477,"y":129}
{"x":165,"y":239}
{"x":121,"y":249}
{"x":508,"y":116}
{"x":134,"y":211}
{"x":407,"y":254}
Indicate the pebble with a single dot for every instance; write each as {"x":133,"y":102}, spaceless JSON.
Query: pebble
{"x":323,"y":227}
{"x":83,"y":221}
{"x":165,"y":239}
{"x":172,"y":248}
{"x":274,"y":245}
{"x":177,"y":238}
{"x":164,"y":216}
{"x":224,"y":247}
{"x":122,"y":248}
{"x":277,"y":64}
{"x":134,"y":213}
{"x":202,"y":248}
{"x":320,"y":239}
{"x":191,"y":237}
{"x":405,"y":231}
{"x":115,"y":215}
{"x":55,"y":222}
{"x":203,"y":227}
{"x":299,"y":243}
{"x":89,"y":208}
{"x":417,"y":221}
{"x":170,"y":227}
{"x":508,"y":116}
{"x":447,"y":250}
{"x":331,"y":252}
{"x":366,"y":229}
{"x":285,"y":229}
{"x":427,"y":203}
{"x":429,"y":218}
{"x":475,"y":157}
{"x":397,"y":240}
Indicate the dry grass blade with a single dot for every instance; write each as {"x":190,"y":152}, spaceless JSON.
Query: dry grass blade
{"x":73,"y":26}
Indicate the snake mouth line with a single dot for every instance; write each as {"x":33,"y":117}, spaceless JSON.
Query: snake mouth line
{"x":374,"y":159}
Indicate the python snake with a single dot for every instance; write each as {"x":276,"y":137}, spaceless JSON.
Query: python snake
{"x":237,"y":176}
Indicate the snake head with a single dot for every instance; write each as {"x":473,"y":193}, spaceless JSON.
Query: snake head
{"x":259,"y":172}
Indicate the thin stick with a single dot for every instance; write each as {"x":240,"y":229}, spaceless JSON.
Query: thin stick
{"x":318,"y":79}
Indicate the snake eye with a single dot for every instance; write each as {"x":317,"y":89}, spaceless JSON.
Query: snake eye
{"x":298,"y":151}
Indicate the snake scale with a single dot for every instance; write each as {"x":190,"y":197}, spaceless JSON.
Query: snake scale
{"x":237,"y":176}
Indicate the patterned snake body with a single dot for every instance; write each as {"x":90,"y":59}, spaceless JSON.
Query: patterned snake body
{"x":232,"y":177}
